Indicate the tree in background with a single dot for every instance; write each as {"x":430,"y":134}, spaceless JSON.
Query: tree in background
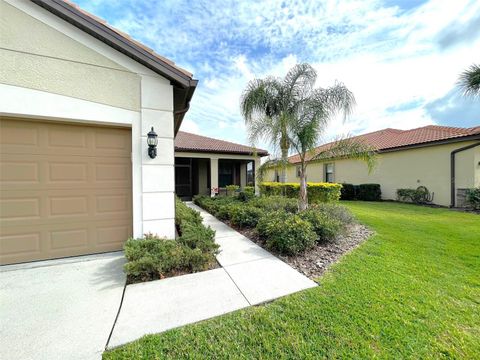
{"x":469,"y":81}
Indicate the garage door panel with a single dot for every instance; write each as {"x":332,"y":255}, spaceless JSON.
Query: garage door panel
{"x":30,"y":172}
{"x":64,"y":190}
{"x":50,"y":138}
{"x":56,"y":206}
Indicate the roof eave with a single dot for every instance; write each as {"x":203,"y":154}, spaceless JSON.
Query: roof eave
{"x":207,"y":151}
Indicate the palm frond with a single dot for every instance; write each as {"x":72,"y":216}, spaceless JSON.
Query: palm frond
{"x":275,"y":164}
{"x":469,"y":81}
{"x":350,"y":149}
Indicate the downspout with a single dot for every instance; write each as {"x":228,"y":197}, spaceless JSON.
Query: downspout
{"x":452,"y":170}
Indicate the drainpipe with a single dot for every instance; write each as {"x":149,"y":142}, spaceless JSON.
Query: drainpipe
{"x":452,"y":170}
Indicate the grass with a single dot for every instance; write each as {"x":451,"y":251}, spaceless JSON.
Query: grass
{"x":411,"y":291}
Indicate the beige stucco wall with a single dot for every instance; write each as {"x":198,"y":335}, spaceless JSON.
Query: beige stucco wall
{"x":36,"y":56}
{"x":427,"y":166}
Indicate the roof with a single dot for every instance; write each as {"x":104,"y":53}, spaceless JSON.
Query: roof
{"x":182,"y":80}
{"x":187,"y":142}
{"x":394,"y":140}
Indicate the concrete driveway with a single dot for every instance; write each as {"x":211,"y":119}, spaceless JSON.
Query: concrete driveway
{"x":62,"y":309}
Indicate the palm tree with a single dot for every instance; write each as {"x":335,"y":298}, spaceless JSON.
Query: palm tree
{"x":469,"y":81}
{"x":268,"y":106}
{"x":306,"y":112}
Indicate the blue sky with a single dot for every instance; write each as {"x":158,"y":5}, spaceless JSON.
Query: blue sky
{"x":401,"y":59}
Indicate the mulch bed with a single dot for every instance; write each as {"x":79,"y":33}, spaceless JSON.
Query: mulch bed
{"x":315,"y":261}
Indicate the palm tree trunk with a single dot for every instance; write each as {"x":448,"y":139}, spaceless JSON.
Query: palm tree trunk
{"x":283,"y":170}
{"x":303,"y":198}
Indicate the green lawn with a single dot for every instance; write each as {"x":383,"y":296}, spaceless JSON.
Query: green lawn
{"x":411,"y":291}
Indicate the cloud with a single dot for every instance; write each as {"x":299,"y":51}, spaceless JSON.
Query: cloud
{"x":400,"y":58}
{"x":456,"y":110}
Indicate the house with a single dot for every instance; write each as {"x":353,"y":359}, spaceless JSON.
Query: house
{"x":444,"y":159}
{"x":78,"y":100}
{"x":204,"y":165}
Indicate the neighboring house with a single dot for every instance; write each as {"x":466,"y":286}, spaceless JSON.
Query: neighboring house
{"x":444,"y":159}
{"x":204,"y":165}
{"x":77,"y":99}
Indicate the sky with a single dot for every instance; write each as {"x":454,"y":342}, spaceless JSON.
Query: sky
{"x":401,"y":59}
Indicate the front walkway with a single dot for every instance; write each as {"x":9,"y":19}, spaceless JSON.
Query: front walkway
{"x":249,"y":276}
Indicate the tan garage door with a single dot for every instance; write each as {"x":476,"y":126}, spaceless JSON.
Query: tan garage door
{"x":64,"y":189}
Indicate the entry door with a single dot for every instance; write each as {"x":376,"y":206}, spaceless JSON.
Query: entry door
{"x":183,"y":177}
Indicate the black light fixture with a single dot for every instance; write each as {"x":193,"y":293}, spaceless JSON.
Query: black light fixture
{"x":152,"y":142}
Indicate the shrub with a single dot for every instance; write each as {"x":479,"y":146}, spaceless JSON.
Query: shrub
{"x":347,"y":192}
{"x":246,"y":216}
{"x":286,"y":233}
{"x":473,"y":198}
{"x":420,"y":195}
{"x":335,"y":211}
{"x":326,"y":227}
{"x":154,"y":258}
{"x":231,"y":189}
{"x":275,"y":202}
{"x":317,"y":192}
{"x":184,"y":213}
{"x":247,"y":193}
{"x":369,"y":192}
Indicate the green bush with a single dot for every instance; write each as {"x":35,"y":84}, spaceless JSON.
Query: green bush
{"x":154,"y":258}
{"x":286,"y":233}
{"x":246,"y":216}
{"x":184,"y":213}
{"x":369,"y":192}
{"x":347,"y":192}
{"x":473,"y":198}
{"x":335,"y":211}
{"x":232,"y":189}
{"x":326,"y":227}
{"x":275,"y":202}
{"x":317,"y":192}
{"x":247,"y":194}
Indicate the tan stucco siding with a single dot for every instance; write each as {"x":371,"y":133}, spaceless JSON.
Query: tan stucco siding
{"x":427,"y":166}
{"x":36,"y":56}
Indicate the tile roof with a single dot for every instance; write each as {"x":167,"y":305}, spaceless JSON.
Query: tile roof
{"x":185,"y":141}
{"x":393,"y":139}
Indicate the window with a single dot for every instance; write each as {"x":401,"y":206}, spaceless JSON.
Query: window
{"x":329,"y":173}
{"x":225,"y":174}
{"x":298,"y":171}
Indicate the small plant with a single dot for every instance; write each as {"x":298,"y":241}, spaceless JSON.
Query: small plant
{"x":276,"y":202}
{"x":420,"y":195}
{"x":473,"y":198}
{"x":232,"y":189}
{"x":286,"y":233}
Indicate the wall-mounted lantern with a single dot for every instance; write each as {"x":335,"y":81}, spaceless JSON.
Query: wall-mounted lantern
{"x":152,"y":142}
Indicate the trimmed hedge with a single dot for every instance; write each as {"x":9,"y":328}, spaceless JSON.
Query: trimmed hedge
{"x":317,"y":192}
{"x":369,"y":192}
{"x":364,"y":192}
{"x":153,"y":257}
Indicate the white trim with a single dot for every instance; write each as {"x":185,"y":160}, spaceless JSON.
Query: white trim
{"x":19,"y":101}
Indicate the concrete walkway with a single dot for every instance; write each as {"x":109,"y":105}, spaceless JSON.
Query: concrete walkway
{"x":249,"y":276}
